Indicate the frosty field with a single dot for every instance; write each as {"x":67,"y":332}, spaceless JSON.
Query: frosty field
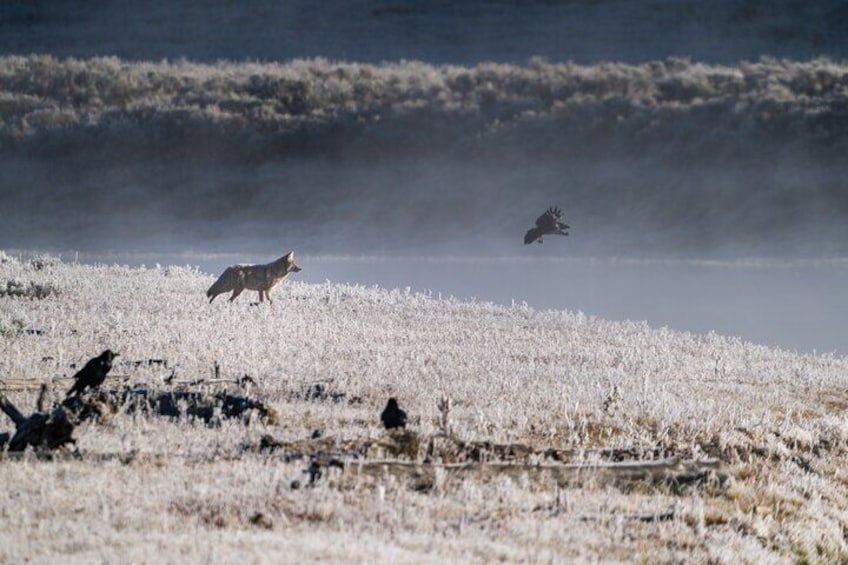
{"x":770,"y":423}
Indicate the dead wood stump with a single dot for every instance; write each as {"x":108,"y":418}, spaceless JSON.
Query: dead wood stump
{"x":41,"y":430}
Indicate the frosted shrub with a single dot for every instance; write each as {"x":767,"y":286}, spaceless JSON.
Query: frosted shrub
{"x":41,"y":93}
{"x":31,"y":290}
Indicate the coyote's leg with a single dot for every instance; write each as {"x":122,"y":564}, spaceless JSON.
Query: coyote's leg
{"x":213,"y":297}
{"x":261,"y":296}
{"x":236,"y":291}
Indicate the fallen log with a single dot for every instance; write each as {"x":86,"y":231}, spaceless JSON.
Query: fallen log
{"x":455,"y":450}
{"x":399,"y":454}
{"x":666,"y":516}
{"x":670,"y":472}
{"x":408,"y":444}
{"x":41,"y":430}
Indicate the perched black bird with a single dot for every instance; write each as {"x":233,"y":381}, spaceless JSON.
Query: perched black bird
{"x":392,"y":416}
{"x":547,"y":224}
{"x":94,"y":373}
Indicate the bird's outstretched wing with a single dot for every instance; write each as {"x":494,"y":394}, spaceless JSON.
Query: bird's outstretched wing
{"x":549,"y":219}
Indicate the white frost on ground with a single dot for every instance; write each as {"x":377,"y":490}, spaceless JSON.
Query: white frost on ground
{"x":514,"y":375}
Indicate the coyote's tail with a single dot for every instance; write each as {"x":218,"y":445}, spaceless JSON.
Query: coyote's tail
{"x":222,"y":285}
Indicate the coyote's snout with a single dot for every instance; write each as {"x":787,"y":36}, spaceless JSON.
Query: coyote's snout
{"x":253,"y":277}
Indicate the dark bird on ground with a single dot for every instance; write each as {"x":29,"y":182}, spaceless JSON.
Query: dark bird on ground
{"x":93,"y":373}
{"x":547,"y":224}
{"x":392,"y":416}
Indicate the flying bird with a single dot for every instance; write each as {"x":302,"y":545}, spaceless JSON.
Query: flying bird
{"x":392,"y":416}
{"x":547,"y":224}
{"x":93,"y":373}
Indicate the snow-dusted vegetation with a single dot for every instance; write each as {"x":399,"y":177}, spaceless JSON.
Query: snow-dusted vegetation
{"x":650,"y":100}
{"x":771,"y":422}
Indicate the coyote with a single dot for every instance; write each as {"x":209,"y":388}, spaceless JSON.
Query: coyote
{"x":253,"y":277}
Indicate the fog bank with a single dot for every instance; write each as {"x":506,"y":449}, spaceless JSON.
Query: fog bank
{"x":663,"y":158}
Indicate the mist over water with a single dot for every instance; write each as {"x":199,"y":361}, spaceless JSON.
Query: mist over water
{"x":662,"y":158}
{"x":433,"y":136}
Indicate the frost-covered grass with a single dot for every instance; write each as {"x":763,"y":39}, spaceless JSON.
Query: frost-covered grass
{"x":545,"y":378}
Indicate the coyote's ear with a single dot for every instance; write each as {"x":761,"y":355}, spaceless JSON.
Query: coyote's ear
{"x":290,"y":256}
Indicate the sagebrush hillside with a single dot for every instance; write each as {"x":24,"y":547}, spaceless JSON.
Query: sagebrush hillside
{"x":552,"y":380}
{"x":306,"y":103}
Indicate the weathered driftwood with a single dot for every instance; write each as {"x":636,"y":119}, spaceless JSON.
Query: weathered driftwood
{"x":443,"y":448}
{"x":18,"y":385}
{"x":427,"y":464}
{"x":40,"y":430}
{"x":450,"y":448}
{"x":671,"y":472}
{"x":323,"y":448}
{"x":666,"y":516}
